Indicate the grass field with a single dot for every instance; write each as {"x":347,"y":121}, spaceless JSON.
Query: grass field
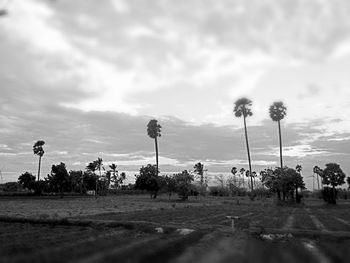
{"x":139,"y":229}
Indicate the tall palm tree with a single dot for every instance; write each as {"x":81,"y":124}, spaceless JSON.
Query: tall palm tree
{"x":317,"y":170}
{"x":38,"y":150}
{"x":153,"y":131}
{"x":277,"y":113}
{"x":242,"y":108}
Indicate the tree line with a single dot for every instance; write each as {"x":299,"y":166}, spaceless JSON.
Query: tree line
{"x":283,"y":181}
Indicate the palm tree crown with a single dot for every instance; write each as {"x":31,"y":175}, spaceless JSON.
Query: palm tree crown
{"x":242,"y":108}
{"x":38,"y":148}
{"x":153,"y":129}
{"x":278,"y":111}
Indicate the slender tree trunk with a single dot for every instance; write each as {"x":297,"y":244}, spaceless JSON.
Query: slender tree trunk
{"x":249,"y":161}
{"x":318,"y":182}
{"x":156,"y":145}
{"x":280,"y":137}
{"x":39,"y":167}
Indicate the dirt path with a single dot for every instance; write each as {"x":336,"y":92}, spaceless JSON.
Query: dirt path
{"x":290,"y":221}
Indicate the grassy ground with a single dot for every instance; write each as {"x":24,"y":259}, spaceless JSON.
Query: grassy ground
{"x":129,"y":229}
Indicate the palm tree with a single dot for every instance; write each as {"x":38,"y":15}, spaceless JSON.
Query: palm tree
{"x":317,"y":170}
{"x":93,"y":167}
{"x":113,"y":167}
{"x":199,"y":169}
{"x":242,"y":109}
{"x":241,"y":171}
{"x":299,"y":168}
{"x":234,"y":171}
{"x":277,"y":113}
{"x":38,"y":150}
{"x":153,"y":131}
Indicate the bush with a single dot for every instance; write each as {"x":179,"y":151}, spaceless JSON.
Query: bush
{"x":329,"y":195}
{"x":219,"y":191}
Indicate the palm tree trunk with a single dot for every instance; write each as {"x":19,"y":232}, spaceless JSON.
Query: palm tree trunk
{"x":156,"y":145}
{"x":280,"y":137}
{"x":318,"y":182}
{"x":39,"y":167}
{"x":249,"y":161}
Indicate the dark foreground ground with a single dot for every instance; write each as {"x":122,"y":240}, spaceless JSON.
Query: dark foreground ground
{"x":197,"y":231}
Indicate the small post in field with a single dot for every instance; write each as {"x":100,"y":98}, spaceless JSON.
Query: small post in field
{"x":233,"y":218}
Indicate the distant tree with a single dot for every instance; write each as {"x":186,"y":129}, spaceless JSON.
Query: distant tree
{"x":233,"y":171}
{"x":99,"y":165}
{"x":26,"y":180}
{"x":77,"y":181}
{"x":38,"y":150}
{"x":199,"y":170}
{"x":59,"y":178}
{"x":232,"y":181}
{"x":318,"y":171}
{"x":242,"y":108}
{"x":277,"y":113}
{"x":89,"y":181}
{"x":114,"y":171}
{"x":122,"y":178}
{"x":348,"y":181}
{"x":299,"y":168}
{"x":168,"y":184}
{"x":283,"y":180}
{"x":92,"y":167}
{"x":241,"y":171}
{"x":334,"y":176}
{"x":184,"y":184}
{"x":254,"y":175}
{"x":148,"y":180}
{"x":153,"y":131}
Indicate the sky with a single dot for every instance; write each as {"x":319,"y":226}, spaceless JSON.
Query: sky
{"x":86,"y":77}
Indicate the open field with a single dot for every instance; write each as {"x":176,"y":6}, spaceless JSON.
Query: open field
{"x":139,"y":229}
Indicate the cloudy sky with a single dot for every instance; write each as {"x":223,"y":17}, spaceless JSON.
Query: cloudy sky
{"x":86,"y":76}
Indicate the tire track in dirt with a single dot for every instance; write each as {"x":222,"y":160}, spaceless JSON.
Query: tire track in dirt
{"x":316,"y":221}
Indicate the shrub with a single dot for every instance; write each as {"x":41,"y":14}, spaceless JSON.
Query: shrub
{"x":329,"y":195}
{"x":219,"y":191}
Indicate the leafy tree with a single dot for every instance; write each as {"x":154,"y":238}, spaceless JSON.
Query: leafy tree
{"x":348,"y":181}
{"x":59,"y":178}
{"x":94,"y":166}
{"x":38,"y":150}
{"x":283,"y":180}
{"x":77,"y":181}
{"x":318,"y":171}
{"x":168,"y":184}
{"x":333,"y":175}
{"x":148,"y":180}
{"x":122,"y":178}
{"x":242,"y":108}
{"x":153,"y":131}
{"x":26,"y":180}
{"x":277,"y":113}
{"x":89,"y":181}
{"x":183,"y":184}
